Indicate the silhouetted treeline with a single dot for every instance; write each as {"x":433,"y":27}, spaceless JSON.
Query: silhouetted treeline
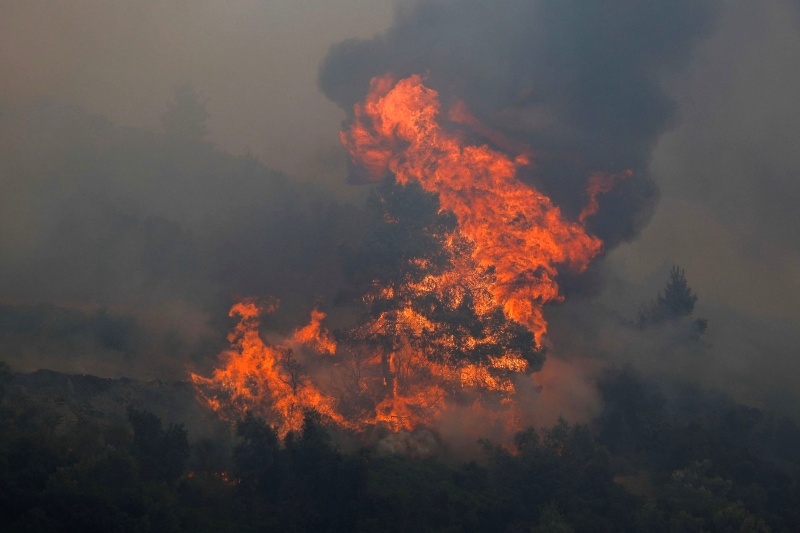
{"x":658,"y":458}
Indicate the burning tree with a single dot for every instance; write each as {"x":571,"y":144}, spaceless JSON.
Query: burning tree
{"x":516,"y":230}
{"x":431,"y":333}
{"x":267,"y":379}
{"x":454,"y":275}
{"x":424,"y":291}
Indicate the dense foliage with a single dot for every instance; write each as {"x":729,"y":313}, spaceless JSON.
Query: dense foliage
{"x":647,"y":463}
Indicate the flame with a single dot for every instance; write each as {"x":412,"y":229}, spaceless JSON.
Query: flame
{"x":461,"y":114}
{"x":600,"y":183}
{"x":447,"y":338}
{"x":516,"y":229}
{"x":368,"y":386}
{"x":315,"y":336}
{"x":268,"y":380}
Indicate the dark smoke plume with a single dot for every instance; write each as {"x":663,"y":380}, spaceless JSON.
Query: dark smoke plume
{"x":579,"y":83}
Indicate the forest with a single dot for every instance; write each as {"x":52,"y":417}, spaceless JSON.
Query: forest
{"x":659,"y":457}
{"x":661,"y":454}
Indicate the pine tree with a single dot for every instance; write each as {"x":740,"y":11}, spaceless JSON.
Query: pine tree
{"x":676,"y":301}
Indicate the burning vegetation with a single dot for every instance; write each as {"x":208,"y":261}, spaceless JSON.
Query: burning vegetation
{"x":516,"y":231}
{"x":453,"y":281}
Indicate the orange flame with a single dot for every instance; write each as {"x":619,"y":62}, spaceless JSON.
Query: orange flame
{"x":313,"y":334}
{"x":268,"y":380}
{"x":274,"y":381}
{"x":600,"y":183}
{"x":399,"y":368}
{"x":460,"y":114}
{"x":516,"y":229}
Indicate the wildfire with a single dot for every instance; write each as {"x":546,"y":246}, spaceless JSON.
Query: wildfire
{"x":314,"y":335}
{"x":516,"y":229}
{"x":268,"y":380}
{"x":600,"y":183}
{"x":455,"y":327}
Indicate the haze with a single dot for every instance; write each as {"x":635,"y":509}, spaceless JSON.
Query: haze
{"x":724,"y":160}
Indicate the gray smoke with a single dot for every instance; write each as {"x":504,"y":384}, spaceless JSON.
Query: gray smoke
{"x":120,"y":249}
{"x":578,"y":82}
{"x":697,"y":98}
{"x":123,"y":248}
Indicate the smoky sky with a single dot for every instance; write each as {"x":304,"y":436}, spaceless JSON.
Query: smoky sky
{"x":579,"y":82}
{"x":695,"y":98}
{"x":120,"y":249}
{"x":254,"y":61}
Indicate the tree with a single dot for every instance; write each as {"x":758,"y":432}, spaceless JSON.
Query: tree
{"x":416,"y":264}
{"x":675,"y":302}
{"x":185,"y":118}
{"x":5,"y":378}
{"x":293,"y":369}
{"x":162,"y":454}
{"x":678,"y":299}
{"x":697,"y":498}
{"x":255,"y":458}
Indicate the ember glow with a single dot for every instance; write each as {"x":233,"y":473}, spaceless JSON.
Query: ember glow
{"x":456,"y":328}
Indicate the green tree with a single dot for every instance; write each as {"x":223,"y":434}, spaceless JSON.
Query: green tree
{"x":697,"y":498}
{"x":161,"y":454}
{"x":675,"y":302}
{"x":256,"y":457}
{"x":560,"y":478}
{"x":552,"y":521}
{"x":322,"y":486}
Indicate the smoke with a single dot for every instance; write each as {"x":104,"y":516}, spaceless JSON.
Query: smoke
{"x":747,"y":356}
{"x":696,"y":98}
{"x":103,"y":214}
{"x":121,"y":250}
{"x":158,"y":233}
{"x":728,"y":175}
{"x":581,"y":84}
{"x":253,"y":61}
